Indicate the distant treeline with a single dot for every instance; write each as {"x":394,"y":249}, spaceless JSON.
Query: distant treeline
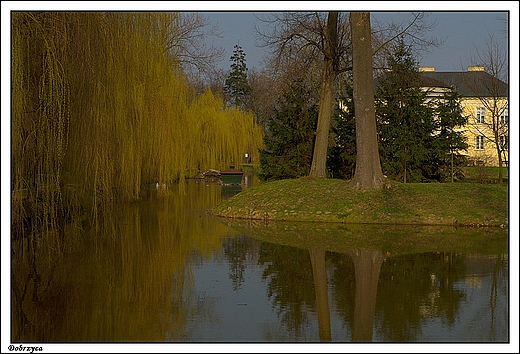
{"x":101,"y":108}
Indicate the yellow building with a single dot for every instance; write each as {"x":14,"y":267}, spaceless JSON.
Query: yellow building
{"x":484,"y":100}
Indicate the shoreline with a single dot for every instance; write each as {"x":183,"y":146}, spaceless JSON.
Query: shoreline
{"x":331,"y":200}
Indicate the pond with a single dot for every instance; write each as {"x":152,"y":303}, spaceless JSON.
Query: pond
{"x":165,"y":270}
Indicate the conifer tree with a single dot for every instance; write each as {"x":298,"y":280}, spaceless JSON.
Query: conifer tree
{"x":406,"y":119}
{"x":341,"y":159}
{"x":236,"y":87}
{"x":450,"y":140}
{"x":289,"y":140}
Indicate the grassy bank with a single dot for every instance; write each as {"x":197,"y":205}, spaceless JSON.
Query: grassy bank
{"x":484,"y":174}
{"x":331,"y":200}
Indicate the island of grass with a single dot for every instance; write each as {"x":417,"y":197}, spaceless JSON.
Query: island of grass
{"x":332,"y":200}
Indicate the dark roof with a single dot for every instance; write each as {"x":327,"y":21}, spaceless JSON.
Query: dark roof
{"x":468,"y":83}
{"x":427,"y":81}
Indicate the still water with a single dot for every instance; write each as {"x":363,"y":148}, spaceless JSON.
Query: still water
{"x":164,"y":270}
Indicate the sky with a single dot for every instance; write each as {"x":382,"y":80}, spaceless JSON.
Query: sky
{"x":463,"y":32}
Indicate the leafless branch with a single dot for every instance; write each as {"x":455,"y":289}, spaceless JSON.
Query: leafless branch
{"x":187,"y":40}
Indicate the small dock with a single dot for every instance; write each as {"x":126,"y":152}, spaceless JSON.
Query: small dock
{"x":231,"y":176}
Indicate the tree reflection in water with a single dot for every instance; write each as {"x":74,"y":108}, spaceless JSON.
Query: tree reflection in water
{"x":319,"y":273}
{"x":391,"y":295}
{"x":133,"y":279}
{"x":367,"y":265}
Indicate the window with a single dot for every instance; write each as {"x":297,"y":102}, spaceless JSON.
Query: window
{"x":504,"y":116}
{"x":479,"y":142}
{"x":481,"y":115}
{"x":503,"y":142}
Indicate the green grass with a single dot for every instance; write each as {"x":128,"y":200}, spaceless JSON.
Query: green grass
{"x":331,"y":200}
{"x":484,"y":174}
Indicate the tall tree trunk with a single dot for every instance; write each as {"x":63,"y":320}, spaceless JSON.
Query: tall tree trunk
{"x":368,"y":174}
{"x":319,"y":157}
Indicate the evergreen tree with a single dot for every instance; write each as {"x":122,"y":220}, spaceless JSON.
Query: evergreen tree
{"x":406,"y":121}
{"x":341,"y":159}
{"x":449,"y":140}
{"x":236,"y":87}
{"x":405,"y":111}
{"x":289,"y":139}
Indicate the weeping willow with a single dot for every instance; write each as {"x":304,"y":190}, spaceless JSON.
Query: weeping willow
{"x":100,"y":109}
{"x":224,"y":134}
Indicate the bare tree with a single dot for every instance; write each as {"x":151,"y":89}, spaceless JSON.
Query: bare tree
{"x":329,"y":73}
{"x":317,"y":35}
{"x":186,"y":40}
{"x":212,"y":80}
{"x":264,"y":92}
{"x":325,"y":37}
{"x":368,"y":173}
{"x":411,"y":26}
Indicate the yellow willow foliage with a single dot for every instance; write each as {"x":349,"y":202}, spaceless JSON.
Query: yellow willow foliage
{"x":220,"y":135}
{"x":40,"y":116}
{"x":100,"y":109}
{"x":133,"y":106}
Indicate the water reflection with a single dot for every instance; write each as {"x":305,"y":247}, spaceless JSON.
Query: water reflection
{"x":164,"y":270}
{"x":319,"y":275}
{"x":393,"y":292}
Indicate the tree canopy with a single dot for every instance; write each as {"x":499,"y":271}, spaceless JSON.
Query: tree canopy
{"x":289,"y":140}
{"x":416,"y":131}
{"x":237,"y":88}
{"x":341,"y":160}
{"x":450,"y":142}
{"x":326,"y":38}
{"x":101,"y":109}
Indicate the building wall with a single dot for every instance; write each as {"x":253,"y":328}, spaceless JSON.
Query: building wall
{"x":475,"y":80}
{"x":487,"y":153}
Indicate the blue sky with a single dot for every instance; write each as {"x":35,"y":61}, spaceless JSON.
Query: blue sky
{"x":463,"y":33}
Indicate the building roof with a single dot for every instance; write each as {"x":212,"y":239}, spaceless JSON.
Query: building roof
{"x":428,"y":81}
{"x":471,"y":83}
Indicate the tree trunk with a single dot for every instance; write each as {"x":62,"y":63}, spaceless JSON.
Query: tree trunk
{"x":368,"y":173}
{"x":500,"y":174}
{"x":319,"y":157}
